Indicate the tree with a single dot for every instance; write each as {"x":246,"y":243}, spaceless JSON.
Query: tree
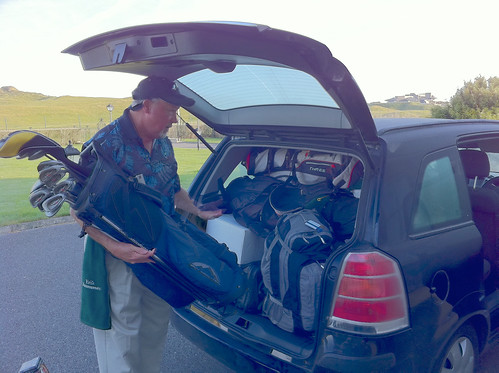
{"x":478,"y":99}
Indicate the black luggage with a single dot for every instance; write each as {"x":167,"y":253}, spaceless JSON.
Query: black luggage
{"x":248,"y":200}
{"x":340,"y":211}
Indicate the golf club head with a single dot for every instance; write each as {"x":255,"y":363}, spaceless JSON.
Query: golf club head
{"x":31,"y":154}
{"x":73,"y":192}
{"x":48,"y":163}
{"x":52,"y":205}
{"x":64,"y":186}
{"x":39,"y":195}
{"x":29,"y":144}
{"x":37,"y":185}
{"x":51,"y":175}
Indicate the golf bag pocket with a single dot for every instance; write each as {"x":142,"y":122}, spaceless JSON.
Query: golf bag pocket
{"x":351,"y":176}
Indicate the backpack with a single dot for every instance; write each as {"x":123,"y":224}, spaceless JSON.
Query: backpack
{"x":292,"y":270}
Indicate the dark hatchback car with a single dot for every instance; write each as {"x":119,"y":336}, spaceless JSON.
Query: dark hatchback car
{"x":413,"y":288}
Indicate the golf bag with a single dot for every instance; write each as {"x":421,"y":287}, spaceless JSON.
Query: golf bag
{"x":189,"y":264}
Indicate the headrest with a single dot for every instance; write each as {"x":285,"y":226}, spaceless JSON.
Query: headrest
{"x":475,"y":163}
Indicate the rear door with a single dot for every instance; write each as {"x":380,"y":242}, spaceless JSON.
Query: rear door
{"x":243,"y":77}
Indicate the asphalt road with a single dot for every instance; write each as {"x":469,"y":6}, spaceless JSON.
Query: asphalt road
{"x":40,"y":279}
{"x":39,"y":309}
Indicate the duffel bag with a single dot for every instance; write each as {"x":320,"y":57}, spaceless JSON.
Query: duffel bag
{"x":340,"y":211}
{"x":248,"y":200}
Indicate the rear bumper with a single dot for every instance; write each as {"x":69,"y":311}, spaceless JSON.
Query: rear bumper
{"x":341,"y":363}
{"x":226,"y":348}
{"x":231,"y":351}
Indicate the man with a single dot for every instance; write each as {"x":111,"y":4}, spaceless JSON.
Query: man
{"x":139,"y":319}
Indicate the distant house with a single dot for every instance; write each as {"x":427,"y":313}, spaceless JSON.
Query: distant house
{"x":422,"y":98}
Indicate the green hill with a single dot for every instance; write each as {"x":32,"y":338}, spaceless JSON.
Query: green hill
{"x":64,"y":119}
{"x":400,"y":110}
{"x":26,"y":110}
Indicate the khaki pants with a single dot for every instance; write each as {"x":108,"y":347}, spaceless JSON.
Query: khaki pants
{"x":139,"y":324}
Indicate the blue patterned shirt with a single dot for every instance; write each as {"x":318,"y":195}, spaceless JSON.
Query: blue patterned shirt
{"x":158,"y":168}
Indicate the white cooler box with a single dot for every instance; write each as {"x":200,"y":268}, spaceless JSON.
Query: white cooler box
{"x":240,"y":240}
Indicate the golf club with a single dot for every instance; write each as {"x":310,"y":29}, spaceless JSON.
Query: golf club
{"x":38,"y":195}
{"x":53,"y":204}
{"x":48,"y":163}
{"x":51,"y":175}
{"x":64,"y":186}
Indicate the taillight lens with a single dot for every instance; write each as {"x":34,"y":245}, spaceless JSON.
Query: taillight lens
{"x":370,"y":297}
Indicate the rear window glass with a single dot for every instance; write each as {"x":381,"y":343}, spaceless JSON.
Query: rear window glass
{"x":438,"y":202}
{"x":253,"y":85}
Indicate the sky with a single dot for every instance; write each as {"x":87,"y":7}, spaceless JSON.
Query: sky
{"x":391,"y":47}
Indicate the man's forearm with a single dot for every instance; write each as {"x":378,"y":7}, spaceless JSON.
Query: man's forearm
{"x":96,"y":234}
{"x":183,"y":201}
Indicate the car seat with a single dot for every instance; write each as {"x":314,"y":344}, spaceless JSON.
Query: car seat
{"x":476,"y":166}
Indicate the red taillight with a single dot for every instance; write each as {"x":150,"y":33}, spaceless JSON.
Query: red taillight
{"x":370,"y":297}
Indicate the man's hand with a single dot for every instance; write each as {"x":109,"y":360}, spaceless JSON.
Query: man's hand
{"x":124,"y":251}
{"x":184,"y":202}
{"x":209,"y":214}
{"x":130,"y":253}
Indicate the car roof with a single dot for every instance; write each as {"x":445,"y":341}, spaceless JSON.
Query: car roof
{"x":385,"y":125}
{"x":426,"y":135}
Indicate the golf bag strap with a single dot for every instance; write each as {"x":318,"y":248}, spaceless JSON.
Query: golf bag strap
{"x":143,"y":189}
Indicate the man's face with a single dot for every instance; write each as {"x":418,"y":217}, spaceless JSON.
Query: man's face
{"x":162,"y":116}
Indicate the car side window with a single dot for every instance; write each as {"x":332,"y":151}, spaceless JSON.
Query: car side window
{"x":239,"y":171}
{"x":438,"y":202}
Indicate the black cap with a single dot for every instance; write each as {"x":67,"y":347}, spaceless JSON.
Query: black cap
{"x":163,"y":88}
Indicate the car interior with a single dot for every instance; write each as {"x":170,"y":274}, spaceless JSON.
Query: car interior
{"x":484,"y":198}
{"x":233,"y":163}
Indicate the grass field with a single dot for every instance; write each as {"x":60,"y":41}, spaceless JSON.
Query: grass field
{"x":35,"y":111}
{"x":400,"y":110}
{"x":17,"y":176}
{"x":74,"y":118}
